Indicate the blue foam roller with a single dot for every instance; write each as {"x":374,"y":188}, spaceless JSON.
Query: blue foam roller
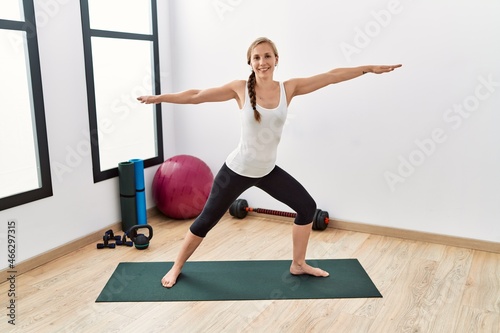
{"x":141,"y":207}
{"x":139,"y":173}
{"x":140,"y":195}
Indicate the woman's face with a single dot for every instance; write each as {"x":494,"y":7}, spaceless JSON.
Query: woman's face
{"x":263,"y":60}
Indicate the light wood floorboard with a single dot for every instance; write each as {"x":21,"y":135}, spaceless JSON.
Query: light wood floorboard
{"x":426,"y":287}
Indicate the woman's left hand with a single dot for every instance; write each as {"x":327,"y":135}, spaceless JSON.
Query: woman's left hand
{"x":384,"y":68}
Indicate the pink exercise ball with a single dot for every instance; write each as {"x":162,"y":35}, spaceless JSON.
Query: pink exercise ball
{"x":181,"y":186}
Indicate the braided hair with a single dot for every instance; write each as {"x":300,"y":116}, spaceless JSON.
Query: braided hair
{"x":251,"y":78}
{"x":253,"y":96}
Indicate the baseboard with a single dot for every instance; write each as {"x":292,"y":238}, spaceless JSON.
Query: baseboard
{"x":41,"y":259}
{"x":420,"y":236}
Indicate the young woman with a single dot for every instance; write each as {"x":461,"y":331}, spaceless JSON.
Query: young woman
{"x":263,"y":103}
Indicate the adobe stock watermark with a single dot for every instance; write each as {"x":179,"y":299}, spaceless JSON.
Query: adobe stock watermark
{"x":12,"y":249}
{"x":222,"y":7}
{"x":454,"y":117}
{"x":116,"y":285}
{"x":45,"y":11}
{"x":363,"y":36}
{"x":121,"y":108}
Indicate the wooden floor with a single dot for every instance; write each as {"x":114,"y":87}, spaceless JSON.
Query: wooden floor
{"x":425,"y":287}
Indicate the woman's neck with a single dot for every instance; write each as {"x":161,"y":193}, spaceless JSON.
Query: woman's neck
{"x":265,"y":82}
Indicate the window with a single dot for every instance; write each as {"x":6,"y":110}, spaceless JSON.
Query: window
{"x":24,"y":167}
{"x":122,"y":62}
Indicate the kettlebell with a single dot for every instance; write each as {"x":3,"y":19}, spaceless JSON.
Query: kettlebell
{"x":141,"y":242}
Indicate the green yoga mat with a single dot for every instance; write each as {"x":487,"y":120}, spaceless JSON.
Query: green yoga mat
{"x":237,"y":280}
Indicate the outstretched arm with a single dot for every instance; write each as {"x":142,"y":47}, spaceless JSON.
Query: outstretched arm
{"x":193,"y":96}
{"x":303,"y":86}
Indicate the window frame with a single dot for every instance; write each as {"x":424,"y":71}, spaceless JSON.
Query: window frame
{"x":28,"y":25}
{"x":88,"y":33}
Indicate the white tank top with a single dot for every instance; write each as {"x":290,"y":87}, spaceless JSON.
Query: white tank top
{"x":256,"y":153}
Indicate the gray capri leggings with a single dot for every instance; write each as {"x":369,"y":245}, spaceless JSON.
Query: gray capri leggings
{"x":228,"y":186}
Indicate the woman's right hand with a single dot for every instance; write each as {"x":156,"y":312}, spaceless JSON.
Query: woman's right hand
{"x":147,"y":99}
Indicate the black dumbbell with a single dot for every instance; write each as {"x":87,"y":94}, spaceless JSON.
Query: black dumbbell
{"x":108,"y":235}
{"x":123,"y":241}
{"x":320,"y":220}
{"x":240,"y":209}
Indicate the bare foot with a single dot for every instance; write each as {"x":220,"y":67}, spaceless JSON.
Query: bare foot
{"x":296,"y":269}
{"x":170,"y":278}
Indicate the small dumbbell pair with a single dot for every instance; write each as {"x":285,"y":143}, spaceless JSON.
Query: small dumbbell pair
{"x":110,"y":236}
{"x":123,"y":241}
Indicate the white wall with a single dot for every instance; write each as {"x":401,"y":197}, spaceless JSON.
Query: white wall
{"x":78,"y":206}
{"x":344,"y":141}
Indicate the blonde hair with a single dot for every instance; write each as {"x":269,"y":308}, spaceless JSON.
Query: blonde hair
{"x":251,"y":78}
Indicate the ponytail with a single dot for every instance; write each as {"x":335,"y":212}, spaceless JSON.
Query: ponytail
{"x":253,"y":96}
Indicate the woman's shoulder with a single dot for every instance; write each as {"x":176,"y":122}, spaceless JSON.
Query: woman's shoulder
{"x":238,"y":85}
